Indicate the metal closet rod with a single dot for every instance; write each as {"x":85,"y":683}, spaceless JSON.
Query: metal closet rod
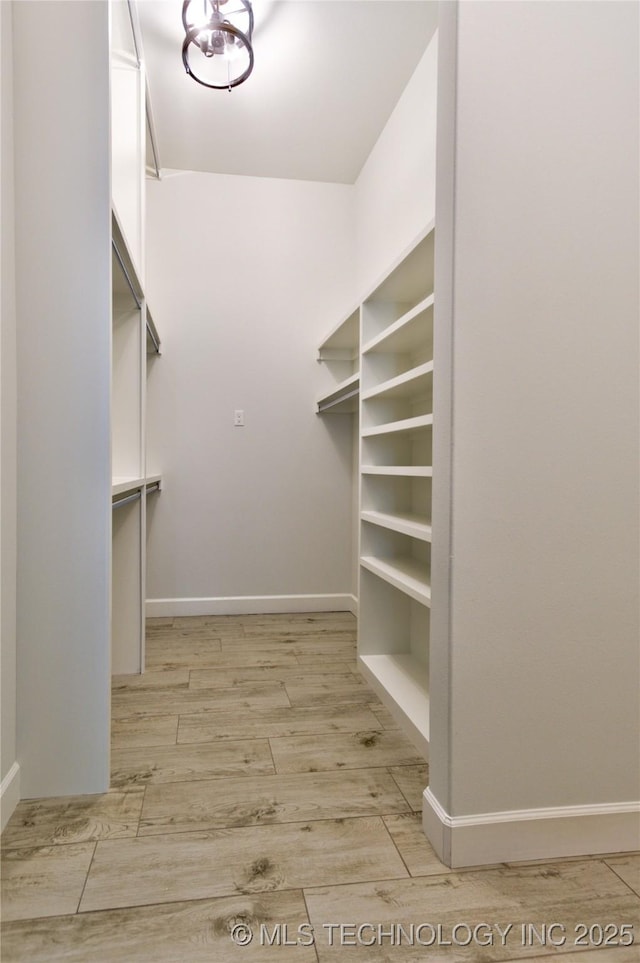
{"x":127,"y":277}
{"x":322,"y":406}
{"x":126,"y":500}
{"x":153,"y":488}
{"x":156,"y":343}
{"x":152,"y":130}
{"x":130,"y":285}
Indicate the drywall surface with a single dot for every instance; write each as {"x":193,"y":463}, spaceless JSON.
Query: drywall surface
{"x":245,"y":277}
{"x":128,"y":125}
{"x":62,"y":203}
{"x":8,"y":412}
{"x":544,"y":609}
{"x":395,"y":190}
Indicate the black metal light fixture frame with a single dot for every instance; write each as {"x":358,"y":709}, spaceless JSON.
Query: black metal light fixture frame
{"x":217,"y":24}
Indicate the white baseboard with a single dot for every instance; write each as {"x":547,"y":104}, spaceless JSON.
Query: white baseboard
{"x":505,"y":837}
{"x":251,"y":605}
{"x":9,"y":794}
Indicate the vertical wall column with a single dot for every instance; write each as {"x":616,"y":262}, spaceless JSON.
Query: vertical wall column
{"x":62,"y":195}
{"x":535,"y":655}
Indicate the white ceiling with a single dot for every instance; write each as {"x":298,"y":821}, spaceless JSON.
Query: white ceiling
{"x":327,"y":76}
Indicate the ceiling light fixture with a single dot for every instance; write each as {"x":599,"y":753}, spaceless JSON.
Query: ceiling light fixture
{"x":217,"y":49}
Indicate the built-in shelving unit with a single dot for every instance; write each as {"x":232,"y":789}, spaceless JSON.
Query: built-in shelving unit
{"x":134,"y":338}
{"x":380,"y":363}
{"x":127,"y":458}
{"x":339,"y":353}
{"x":396,"y":425}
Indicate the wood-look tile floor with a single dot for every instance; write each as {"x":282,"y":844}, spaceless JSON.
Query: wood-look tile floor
{"x":257,"y":782}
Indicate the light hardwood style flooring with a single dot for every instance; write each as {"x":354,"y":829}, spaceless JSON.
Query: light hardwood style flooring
{"x":259,"y":785}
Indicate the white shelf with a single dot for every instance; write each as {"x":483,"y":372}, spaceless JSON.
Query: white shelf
{"x":128,"y":265}
{"x":405,"y":574}
{"x":127,"y":290}
{"x":402,"y":683}
{"x":399,"y":427}
{"x":405,"y":523}
{"x":341,"y":344}
{"x":407,"y":471}
{"x":122,"y":486}
{"x":153,"y":338}
{"x":412,"y":273}
{"x":341,"y":399}
{"x":402,"y":334}
{"x":405,"y":385}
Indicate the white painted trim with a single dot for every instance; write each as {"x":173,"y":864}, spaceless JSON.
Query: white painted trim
{"x":9,"y":794}
{"x":251,"y":605}
{"x":530,"y":833}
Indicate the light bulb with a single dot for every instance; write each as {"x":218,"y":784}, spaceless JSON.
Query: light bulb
{"x":205,"y":42}
{"x":198,"y":13}
{"x":231,"y":50}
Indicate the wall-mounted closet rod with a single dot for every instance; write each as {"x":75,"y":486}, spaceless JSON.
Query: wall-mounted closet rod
{"x":152,"y":130}
{"x":153,"y":488}
{"x":153,"y":334}
{"x":327,"y":406}
{"x":126,"y":274}
{"x":126,"y":500}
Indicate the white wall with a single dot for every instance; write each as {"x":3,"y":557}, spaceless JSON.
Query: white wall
{"x":395,"y":190}
{"x":245,"y":277}
{"x":128,"y":133}
{"x":62,"y":202}
{"x":543,"y":631}
{"x":9,"y":770}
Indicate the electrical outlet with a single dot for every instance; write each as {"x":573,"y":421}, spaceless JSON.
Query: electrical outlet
{"x":238,"y":418}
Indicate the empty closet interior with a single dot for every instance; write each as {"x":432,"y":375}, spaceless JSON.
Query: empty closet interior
{"x":344,"y":338}
{"x":320,"y":498}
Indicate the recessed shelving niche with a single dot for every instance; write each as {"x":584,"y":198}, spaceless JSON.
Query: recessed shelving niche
{"x":396,"y":375}
{"x":379,"y":363}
